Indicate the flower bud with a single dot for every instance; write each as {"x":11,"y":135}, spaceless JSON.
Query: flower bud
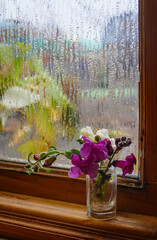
{"x":120,"y":145}
{"x":117,"y":140}
{"x":129,"y":141}
{"x":123,"y":138}
{"x":36,"y":168}
{"x":109,"y":147}
{"x":36,"y":156}
{"x":48,"y":162}
{"x":97,"y":138}
{"x":80,"y":140}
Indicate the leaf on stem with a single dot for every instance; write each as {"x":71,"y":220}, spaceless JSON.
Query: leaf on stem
{"x":72,"y":151}
{"x":52,"y":148}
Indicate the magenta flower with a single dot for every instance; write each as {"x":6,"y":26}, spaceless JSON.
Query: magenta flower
{"x":127,"y":166}
{"x":82,"y":166}
{"x":94,"y":152}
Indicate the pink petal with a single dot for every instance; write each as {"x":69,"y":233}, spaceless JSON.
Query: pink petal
{"x":86,"y":149}
{"x":100,"y":155}
{"x":120,"y":163}
{"x":93,"y":157}
{"x":75,"y":159}
{"x":74,"y":172}
{"x":85,"y":139}
{"x":131,"y":159}
{"x":127,"y":169}
{"x":92,"y":174}
{"x":94,"y":166}
{"x":102,"y":143}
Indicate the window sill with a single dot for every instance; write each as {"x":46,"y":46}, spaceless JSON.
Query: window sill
{"x":27,"y":217}
{"x":13,"y":178}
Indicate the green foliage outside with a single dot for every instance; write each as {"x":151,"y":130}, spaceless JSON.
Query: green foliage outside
{"x":51,"y":114}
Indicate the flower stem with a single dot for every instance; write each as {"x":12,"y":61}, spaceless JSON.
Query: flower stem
{"x":110,"y":160}
{"x":101,"y":176}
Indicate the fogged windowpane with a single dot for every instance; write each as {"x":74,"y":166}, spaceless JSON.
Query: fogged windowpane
{"x":65,"y":65}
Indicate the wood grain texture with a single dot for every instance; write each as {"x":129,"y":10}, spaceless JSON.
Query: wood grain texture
{"x":33,"y":218}
{"x":151,"y":89}
{"x":142,"y":92}
{"x":24,"y":217}
{"x":56,"y":185}
{"x":59,"y":186}
{"x":138,"y":201}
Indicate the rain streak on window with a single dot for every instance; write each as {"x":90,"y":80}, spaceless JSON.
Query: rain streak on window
{"x":63,"y":66}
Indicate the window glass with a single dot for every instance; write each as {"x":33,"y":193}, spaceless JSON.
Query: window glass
{"x":65,"y":65}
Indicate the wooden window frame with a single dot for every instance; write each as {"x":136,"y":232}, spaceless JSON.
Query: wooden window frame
{"x":58,"y":186}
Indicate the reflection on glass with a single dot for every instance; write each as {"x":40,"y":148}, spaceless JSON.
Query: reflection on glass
{"x":64,"y":66}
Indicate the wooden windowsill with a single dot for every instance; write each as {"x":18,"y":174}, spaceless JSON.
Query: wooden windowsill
{"x":27,"y":217}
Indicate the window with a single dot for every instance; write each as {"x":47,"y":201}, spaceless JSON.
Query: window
{"x":65,"y":68}
{"x":129,"y":199}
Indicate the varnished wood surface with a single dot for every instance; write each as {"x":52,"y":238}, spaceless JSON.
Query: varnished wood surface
{"x":25,"y":217}
{"x":142,"y":92}
{"x":35,"y":218}
{"x":56,"y":185}
{"x":59,"y":186}
{"x":151,"y":90}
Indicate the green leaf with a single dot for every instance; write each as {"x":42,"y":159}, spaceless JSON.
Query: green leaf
{"x":72,"y":151}
{"x":101,"y":163}
{"x":97,"y":179}
{"x":29,"y":158}
{"x":52,"y":148}
{"x":75,"y":151}
{"x":80,"y":140}
{"x":68,"y":154}
{"x":47,"y":170}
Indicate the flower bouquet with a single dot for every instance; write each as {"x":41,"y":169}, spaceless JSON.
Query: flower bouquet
{"x":96,"y":159}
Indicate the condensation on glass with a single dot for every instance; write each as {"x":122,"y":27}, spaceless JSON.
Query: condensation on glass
{"x":65,"y":65}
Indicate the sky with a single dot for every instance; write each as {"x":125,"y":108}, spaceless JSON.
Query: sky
{"x":75,"y":18}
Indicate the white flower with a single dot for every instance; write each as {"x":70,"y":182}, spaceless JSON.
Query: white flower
{"x":112,"y":142}
{"x":87,"y":132}
{"x":103,"y":133}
